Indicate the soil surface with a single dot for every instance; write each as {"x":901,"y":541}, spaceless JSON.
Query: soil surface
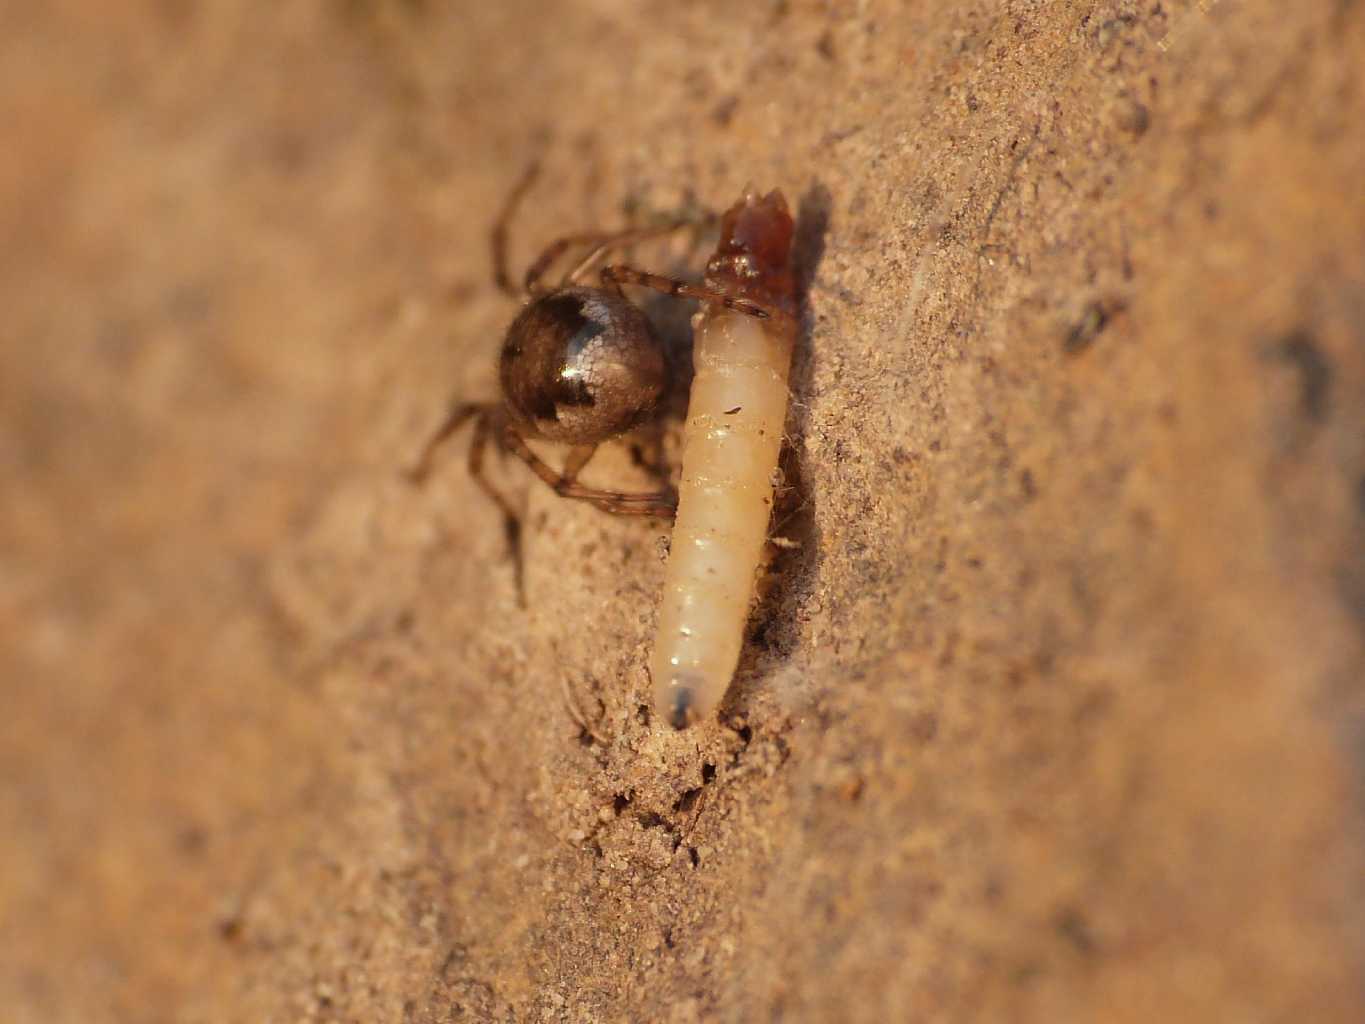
{"x":1053,"y":710}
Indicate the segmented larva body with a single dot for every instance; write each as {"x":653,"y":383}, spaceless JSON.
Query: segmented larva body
{"x":731,"y":444}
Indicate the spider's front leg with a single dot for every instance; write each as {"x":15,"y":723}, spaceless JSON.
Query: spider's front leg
{"x":657,"y":504}
{"x":488,"y":423}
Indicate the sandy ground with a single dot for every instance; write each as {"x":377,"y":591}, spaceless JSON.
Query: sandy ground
{"x":1057,"y":712}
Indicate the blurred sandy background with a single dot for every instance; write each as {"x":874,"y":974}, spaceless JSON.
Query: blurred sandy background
{"x":1057,"y":712}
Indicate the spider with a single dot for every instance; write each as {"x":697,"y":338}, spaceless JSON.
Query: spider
{"x":580,"y":364}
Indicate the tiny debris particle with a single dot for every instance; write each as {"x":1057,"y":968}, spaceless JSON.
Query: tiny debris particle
{"x":1087,"y":328}
{"x":1132,"y":117}
{"x":724,"y":111}
{"x":230,"y":929}
{"x":1072,"y":926}
{"x":731,"y":412}
{"x":1301,"y":351}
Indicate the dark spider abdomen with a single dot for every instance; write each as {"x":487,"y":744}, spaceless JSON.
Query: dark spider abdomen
{"x":581,"y":364}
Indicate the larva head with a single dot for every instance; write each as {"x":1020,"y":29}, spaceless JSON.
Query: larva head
{"x":581,"y":364}
{"x":753,"y":259}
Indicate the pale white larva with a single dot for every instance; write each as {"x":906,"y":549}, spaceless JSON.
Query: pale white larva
{"x":731,"y":445}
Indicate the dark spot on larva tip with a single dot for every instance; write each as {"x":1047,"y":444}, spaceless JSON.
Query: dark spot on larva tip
{"x":680,"y":712}
{"x":1301,"y":351}
{"x":731,"y":412}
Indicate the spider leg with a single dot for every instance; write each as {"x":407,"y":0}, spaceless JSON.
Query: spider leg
{"x":485,"y":418}
{"x":498,"y":236}
{"x":458,"y":416}
{"x":615,"y":276}
{"x":511,"y":520}
{"x":600,"y":242}
{"x":660,"y":504}
{"x":630,"y":237}
{"x":579,"y":456}
{"x":648,"y":451}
